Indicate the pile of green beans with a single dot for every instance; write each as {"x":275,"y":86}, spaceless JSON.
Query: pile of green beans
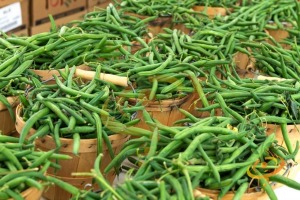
{"x":155,"y":7}
{"x":213,"y":153}
{"x":239,"y":20}
{"x":245,"y":96}
{"x":145,"y":187}
{"x":169,"y":65}
{"x":265,"y":12}
{"x":275,"y":102}
{"x":68,"y":46}
{"x":180,"y":11}
{"x":74,"y":109}
{"x":114,"y":21}
{"x":240,"y":32}
{"x":211,"y":50}
{"x":13,"y":79}
{"x":253,"y":19}
{"x":22,"y":167}
{"x":203,"y":45}
{"x":155,"y":72}
{"x":103,"y":34}
{"x":12,"y":68}
{"x":284,"y":12}
{"x":274,"y":60}
{"x":158,"y":74}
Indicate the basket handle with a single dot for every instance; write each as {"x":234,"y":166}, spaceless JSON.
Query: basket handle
{"x":261,"y":77}
{"x":115,"y":79}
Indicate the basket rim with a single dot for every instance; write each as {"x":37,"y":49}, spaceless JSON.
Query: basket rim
{"x":12,"y":100}
{"x":162,"y":103}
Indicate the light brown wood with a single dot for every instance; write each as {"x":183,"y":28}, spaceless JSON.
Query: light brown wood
{"x":182,"y":28}
{"x":165,"y":111}
{"x":280,"y":34}
{"x":7,"y":124}
{"x":245,"y":65}
{"x":211,"y":11}
{"x":31,"y":194}
{"x":47,"y":75}
{"x":89,"y":75}
{"x":83,"y":162}
{"x":261,"y":77}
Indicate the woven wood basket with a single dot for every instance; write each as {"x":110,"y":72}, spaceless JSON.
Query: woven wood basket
{"x":83,"y":162}
{"x":165,"y":111}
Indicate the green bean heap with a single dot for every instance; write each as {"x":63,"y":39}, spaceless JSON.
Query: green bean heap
{"x":267,"y":14}
{"x":114,"y":21}
{"x":72,"y":109}
{"x":22,"y":167}
{"x":275,"y":60}
{"x":13,"y":77}
{"x":179,"y":12}
{"x":215,"y":153}
{"x":55,"y":50}
{"x":12,"y":68}
{"x":156,"y":7}
{"x":264,"y":97}
{"x":255,"y":18}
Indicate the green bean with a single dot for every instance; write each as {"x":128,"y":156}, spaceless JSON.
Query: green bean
{"x":172,"y":86}
{"x":286,"y":181}
{"x":198,"y":87}
{"x":72,"y":112}
{"x":267,"y":187}
{"x":158,"y":69}
{"x":76,"y":143}
{"x":99,"y":132}
{"x":153,"y":89}
{"x":42,"y":131}
{"x":236,"y":153}
{"x":64,"y":185}
{"x":112,"y":26}
{"x":78,"y":129}
{"x":121,"y":156}
{"x":162,"y":190}
{"x":285,"y":135}
{"x":194,"y":145}
{"x":70,"y":90}
{"x":210,"y":163}
{"x":41,"y":159}
{"x":54,"y":108}
{"x":102,"y":112}
{"x":30,"y":122}
{"x":14,"y":194}
{"x":240,"y":191}
{"x":176,"y":185}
